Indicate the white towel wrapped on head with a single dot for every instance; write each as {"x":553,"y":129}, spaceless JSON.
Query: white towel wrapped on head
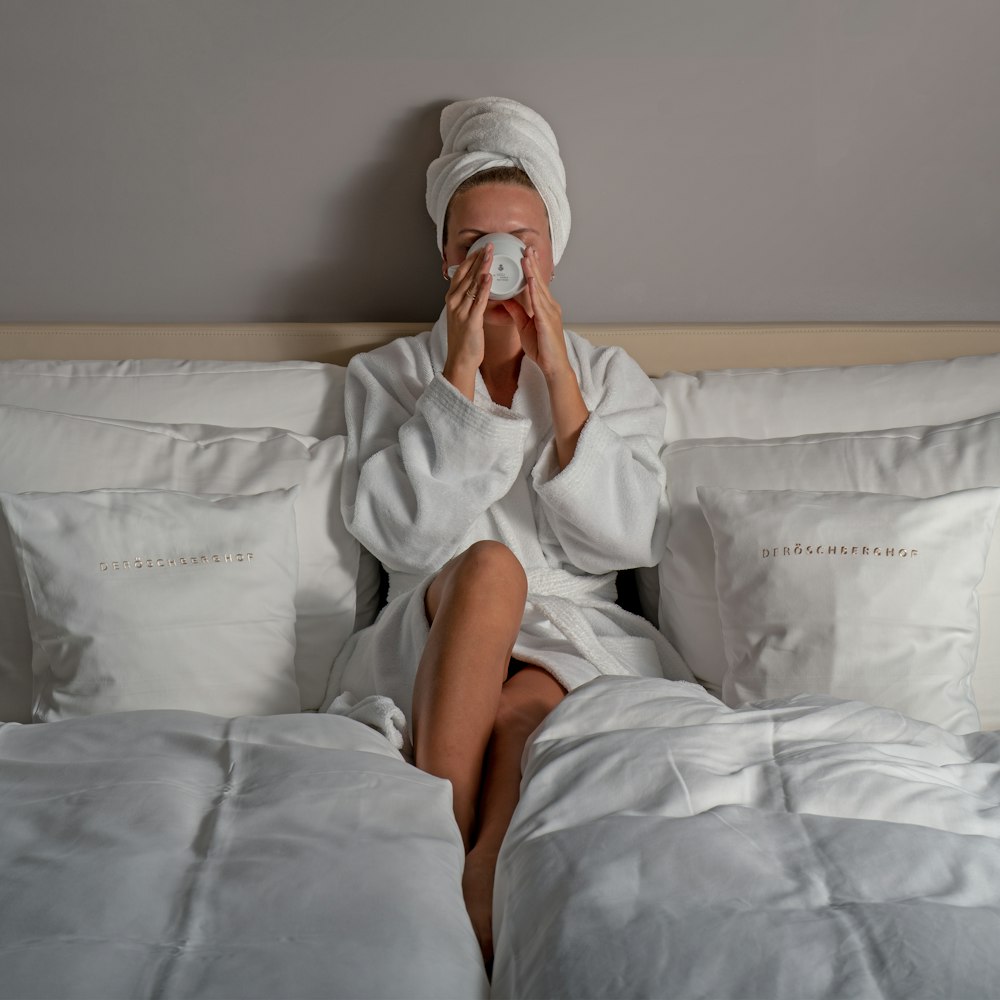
{"x":491,"y":132}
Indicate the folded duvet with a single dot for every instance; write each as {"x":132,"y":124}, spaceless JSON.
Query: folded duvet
{"x":668,"y":846}
{"x":173,"y":854}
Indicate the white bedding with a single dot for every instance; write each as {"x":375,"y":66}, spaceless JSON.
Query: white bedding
{"x":176,"y":854}
{"x":666,"y":845}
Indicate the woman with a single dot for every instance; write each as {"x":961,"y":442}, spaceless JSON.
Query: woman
{"x":502,"y":470}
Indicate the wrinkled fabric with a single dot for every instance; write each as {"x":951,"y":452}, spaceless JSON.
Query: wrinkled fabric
{"x":666,"y":845}
{"x":175,"y":854}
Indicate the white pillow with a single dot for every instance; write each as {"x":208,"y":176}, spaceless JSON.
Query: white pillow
{"x":916,"y":462}
{"x":151,"y":600}
{"x":862,"y":596}
{"x":780,"y":402}
{"x":301,"y":396}
{"x":54,"y":452}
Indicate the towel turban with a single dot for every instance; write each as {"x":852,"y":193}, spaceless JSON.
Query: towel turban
{"x":491,"y":132}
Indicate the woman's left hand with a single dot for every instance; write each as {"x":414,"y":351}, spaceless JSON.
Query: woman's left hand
{"x":541,"y":331}
{"x":543,"y":340}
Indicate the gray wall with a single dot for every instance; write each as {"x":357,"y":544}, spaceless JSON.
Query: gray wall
{"x":750,"y":160}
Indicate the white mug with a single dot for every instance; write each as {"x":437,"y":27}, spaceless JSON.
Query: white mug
{"x":508,"y":276}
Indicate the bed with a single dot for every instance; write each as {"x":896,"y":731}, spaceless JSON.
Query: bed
{"x":817,"y":816}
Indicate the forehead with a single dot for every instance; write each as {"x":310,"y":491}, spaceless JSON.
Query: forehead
{"x":494,"y":208}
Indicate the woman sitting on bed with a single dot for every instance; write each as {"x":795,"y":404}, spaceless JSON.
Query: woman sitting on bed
{"x":502,"y":469}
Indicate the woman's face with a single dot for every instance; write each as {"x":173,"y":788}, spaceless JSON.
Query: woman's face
{"x":499,"y":208}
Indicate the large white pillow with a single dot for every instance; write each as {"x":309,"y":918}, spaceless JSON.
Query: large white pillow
{"x":152,"y":600}
{"x":53,"y":452}
{"x":781,"y":402}
{"x":864,"y":596}
{"x":916,"y":462}
{"x":301,"y":396}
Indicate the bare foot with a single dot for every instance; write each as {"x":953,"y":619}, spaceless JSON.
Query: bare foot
{"x":477,"y":886}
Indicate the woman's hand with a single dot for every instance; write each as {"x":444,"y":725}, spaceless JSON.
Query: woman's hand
{"x":543,"y":340}
{"x":466,"y":299}
{"x":541,"y":331}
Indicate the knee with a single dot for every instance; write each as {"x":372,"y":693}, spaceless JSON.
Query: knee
{"x":486,"y":579}
{"x":491,"y":564}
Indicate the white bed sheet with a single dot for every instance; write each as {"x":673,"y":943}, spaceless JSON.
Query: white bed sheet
{"x":175,"y":854}
{"x":666,"y":845}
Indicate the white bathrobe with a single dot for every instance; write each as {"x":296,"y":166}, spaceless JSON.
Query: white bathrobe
{"x":428,"y":472}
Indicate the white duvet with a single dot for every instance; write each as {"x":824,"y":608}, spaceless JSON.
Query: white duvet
{"x":174,"y":854}
{"x":667,"y":846}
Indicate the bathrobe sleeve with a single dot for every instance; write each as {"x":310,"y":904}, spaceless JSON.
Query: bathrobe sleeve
{"x":608,"y":508}
{"x":423,"y":462}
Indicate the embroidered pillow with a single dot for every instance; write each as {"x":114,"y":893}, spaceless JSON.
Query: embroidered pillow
{"x":152,"y":600}
{"x":303,"y":397}
{"x":914,"y":461}
{"x":861,"y":596}
{"x":781,"y":402}
{"x":43,"y":451}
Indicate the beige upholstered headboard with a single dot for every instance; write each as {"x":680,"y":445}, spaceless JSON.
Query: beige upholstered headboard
{"x":657,"y":347}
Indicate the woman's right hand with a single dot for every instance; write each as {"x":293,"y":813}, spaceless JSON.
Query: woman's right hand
{"x":466,"y":299}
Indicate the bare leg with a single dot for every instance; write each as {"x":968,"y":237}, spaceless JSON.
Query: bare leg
{"x":465,"y":709}
{"x":526,"y":699}
{"x":474,"y":605}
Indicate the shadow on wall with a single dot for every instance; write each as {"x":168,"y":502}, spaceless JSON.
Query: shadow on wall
{"x":381,"y":263}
